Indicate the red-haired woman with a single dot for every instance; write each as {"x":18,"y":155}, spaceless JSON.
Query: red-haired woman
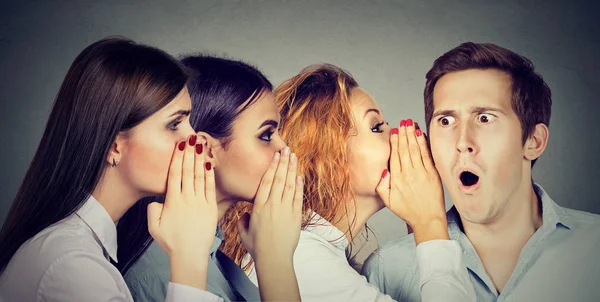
{"x":351,"y":172}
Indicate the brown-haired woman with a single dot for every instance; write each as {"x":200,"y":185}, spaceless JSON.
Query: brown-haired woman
{"x":118,"y":131}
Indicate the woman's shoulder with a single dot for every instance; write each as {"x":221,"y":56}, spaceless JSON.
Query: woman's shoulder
{"x":46,"y":254}
{"x":65,"y":237}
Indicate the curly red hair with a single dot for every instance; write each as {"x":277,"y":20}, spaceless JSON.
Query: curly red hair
{"x":316,"y":120}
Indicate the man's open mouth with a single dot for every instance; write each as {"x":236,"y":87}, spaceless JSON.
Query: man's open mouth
{"x":468,"y":179}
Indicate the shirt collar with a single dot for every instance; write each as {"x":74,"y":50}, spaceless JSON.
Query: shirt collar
{"x":216,"y":242}
{"x":97,"y":218}
{"x":324,"y":229}
{"x":552,"y":214}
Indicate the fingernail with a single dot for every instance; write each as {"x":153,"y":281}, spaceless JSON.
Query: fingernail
{"x":293,"y":159}
{"x":192,"y":140}
{"x":181,"y":145}
{"x":418,"y":132}
{"x":417,"y":125}
{"x":394,"y":131}
{"x":384,"y":174}
{"x":207,"y":165}
{"x":409,"y":122}
{"x":199,"y":148}
{"x":276,"y":156}
{"x":402,"y":123}
{"x":285,"y":151}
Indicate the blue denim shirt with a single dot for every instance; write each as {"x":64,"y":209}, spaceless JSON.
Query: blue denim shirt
{"x":560,"y":262}
{"x":149,"y":276}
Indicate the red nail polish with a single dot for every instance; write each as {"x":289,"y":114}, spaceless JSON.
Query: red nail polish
{"x":207,"y":165}
{"x":394,"y":131}
{"x":418,"y":132}
{"x":409,"y":123}
{"x":192,"y":140}
{"x":402,"y":123}
{"x":417,"y":125}
{"x":181,"y":145}
{"x":384,"y":173}
{"x":199,"y":149}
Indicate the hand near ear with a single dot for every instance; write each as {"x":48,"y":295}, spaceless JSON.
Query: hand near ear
{"x":271,"y":232}
{"x":184,"y":225}
{"x":412,"y":189}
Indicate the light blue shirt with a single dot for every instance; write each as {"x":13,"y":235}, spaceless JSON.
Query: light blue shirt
{"x":149,"y":276}
{"x":560,"y":262}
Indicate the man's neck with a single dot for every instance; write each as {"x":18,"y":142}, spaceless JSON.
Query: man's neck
{"x":512,"y":227}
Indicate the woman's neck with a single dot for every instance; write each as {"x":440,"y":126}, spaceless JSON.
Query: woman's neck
{"x":352,"y":220}
{"x":115,"y":195}
{"x":224,"y":202}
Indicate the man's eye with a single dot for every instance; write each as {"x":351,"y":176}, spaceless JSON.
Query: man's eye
{"x":446,"y":120}
{"x":485,"y":118}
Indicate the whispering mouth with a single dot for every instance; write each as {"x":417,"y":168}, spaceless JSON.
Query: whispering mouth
{"x":468,"y":179}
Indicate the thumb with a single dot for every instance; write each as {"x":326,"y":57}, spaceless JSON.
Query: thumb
{"x":243,"y":225}
{"x":383,"y":188}
{"x":154,"y":213}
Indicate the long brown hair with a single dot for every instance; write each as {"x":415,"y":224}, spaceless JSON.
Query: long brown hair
{"x":316,"y":120}
{"x":221,"y":89}
{"x":112,"y":86}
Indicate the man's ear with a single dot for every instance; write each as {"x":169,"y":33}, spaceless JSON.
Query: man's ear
{"x":537,"y":142}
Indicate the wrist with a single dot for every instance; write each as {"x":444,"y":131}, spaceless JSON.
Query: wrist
{"x":431,"y":229}
{"x":274,"y":259}
{"x":189,"y":270}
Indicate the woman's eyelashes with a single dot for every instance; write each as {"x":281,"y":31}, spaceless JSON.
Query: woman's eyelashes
{"x":172,"y":126}
{"x":377,"y":127}
{"x":266,"y":135}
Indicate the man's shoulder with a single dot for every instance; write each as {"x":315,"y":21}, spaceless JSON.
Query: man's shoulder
{"x":583,"y":218}
{"x":402,"y":247}
{"x":393,"y":269}
{"x":397,"y":255}
{"x":585,"y":226}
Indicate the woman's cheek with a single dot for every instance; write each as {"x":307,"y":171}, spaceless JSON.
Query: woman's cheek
{"x":152,"y":163}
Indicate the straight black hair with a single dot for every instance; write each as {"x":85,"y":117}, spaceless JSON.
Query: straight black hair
{"x":220,"y":89}
{"x":112,"y":86}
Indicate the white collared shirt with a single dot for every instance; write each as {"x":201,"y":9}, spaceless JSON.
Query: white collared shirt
{"x":324,"y":274}
{"x":69,"y":261}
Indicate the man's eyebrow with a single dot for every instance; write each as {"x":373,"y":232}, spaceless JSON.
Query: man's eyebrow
{"x":477,"y":110}
{"x":485,"y":109}
{"x":444,"y":113}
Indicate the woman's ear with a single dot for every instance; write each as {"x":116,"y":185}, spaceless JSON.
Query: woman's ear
{"x":211,"y":146}
{"x":116,"y":151}
{"x":537,"y":142}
